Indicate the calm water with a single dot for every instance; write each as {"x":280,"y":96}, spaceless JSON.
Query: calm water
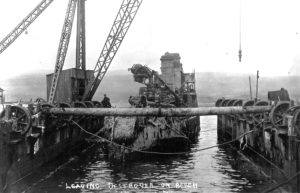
{"x":213,"y":170}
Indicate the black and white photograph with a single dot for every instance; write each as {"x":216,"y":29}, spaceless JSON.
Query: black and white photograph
{"x":149,"y":96}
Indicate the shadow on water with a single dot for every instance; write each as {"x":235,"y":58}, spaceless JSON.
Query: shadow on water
{"x":220,"y":169}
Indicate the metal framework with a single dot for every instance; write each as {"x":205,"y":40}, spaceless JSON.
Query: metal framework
{"x":23,"y":25}
{"x":116,"y":35}
{"x":80,"y":39}
{"x":63,"y":47}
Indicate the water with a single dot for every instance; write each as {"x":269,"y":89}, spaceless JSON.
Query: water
{"x":214,"y":170}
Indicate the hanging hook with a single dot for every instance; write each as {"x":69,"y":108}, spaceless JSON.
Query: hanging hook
{"x":240,"y":50}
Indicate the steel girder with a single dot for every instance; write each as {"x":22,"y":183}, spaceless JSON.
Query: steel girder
{"x":116,"y":35}
{"x":63,"y":47}
{"x":23,"y":25}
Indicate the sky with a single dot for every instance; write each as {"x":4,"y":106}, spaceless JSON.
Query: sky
{"x":204,"y":32}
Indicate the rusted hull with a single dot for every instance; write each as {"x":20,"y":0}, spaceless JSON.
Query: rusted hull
{"x":153,"y":134}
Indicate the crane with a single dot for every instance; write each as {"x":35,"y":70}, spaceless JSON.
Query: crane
{"x":144,"y":75}
{"x":121,"y":24}
{"x":116,"y":35}
{"x":24,"y":24}
{"x":63,"y":47}
{"x":80,"y":39}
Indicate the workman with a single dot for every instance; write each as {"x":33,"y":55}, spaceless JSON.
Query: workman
{"x":106,"y":102}
{"x":143,"y":101}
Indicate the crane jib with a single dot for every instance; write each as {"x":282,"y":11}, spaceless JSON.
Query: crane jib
{"x":116,"y":35}
{"x":63,"y":48}
{"x":24,"y":24}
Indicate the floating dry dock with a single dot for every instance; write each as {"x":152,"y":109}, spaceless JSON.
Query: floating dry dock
{"x":273,"y":137}
{"x":275,"y":132}
{"x":22,"y":151}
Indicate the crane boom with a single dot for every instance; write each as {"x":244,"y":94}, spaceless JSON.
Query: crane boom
{"x":23,"y":25}
{"x":116,"y":35}
{"x":80,"y":39}
{"x":63,"y":47}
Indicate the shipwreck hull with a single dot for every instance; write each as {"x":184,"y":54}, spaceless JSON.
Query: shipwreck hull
{"x":137,"y":137}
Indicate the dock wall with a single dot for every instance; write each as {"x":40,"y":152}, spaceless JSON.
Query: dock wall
{"x":274,"y":148}
{"x":20,"y":155}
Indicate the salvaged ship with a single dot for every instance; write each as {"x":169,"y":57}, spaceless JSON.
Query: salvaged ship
{"x":40,"y":131}
{"x":30,"y":137}
{"x":170,"y":89}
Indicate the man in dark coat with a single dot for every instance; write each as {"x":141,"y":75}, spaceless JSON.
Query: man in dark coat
{"x":106,"y":102}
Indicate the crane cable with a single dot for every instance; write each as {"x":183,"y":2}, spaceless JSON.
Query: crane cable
{"x":240,"y":33}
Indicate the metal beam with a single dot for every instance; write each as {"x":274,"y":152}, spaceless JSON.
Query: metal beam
{"x":80,"y":37}
{"x":116,"y":35}
{"x":23,"y":25}
{"x":63,"y":48}
{"x":160,"y":112}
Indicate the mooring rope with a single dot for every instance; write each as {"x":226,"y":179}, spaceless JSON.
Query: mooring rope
{"x":263,"y":157}
{"x":204,"y":131}
{"x":162,"y":153}
{"x":281,"y":184}
{"x":202,"y":149}
{"x":21,"y":178}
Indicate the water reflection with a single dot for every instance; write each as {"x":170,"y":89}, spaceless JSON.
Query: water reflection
{"x":213,"y":170}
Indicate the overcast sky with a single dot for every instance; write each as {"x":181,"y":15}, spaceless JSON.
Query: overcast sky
{"x":204,"y":32}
